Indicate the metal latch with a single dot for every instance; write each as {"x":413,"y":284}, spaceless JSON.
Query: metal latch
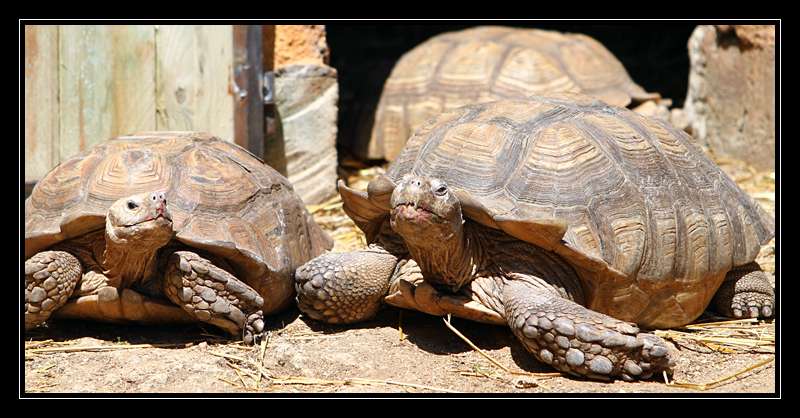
{"x":269,"y":87}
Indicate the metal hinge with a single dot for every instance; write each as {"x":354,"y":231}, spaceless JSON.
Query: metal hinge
{"x":269,"y":87}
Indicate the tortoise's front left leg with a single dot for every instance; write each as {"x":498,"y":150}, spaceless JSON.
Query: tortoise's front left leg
{"x":579,"y":341}
{"x":213,"y":295}
{"x":50,"y":279}
{"x":345,"y":287}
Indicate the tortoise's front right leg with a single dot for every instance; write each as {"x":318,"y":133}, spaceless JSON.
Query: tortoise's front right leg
{"x":345,"y":287}
{"x":213,"y":295}
{"x":580,"y":341}
{"x":50,"y":279}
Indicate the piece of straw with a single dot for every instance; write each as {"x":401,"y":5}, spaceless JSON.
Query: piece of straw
{"x":353,"y":381}
{"x":720,"y":382}
{"x":535,"y":376}
{"x":100,"y":348}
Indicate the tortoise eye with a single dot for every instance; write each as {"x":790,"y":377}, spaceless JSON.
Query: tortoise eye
{"x":132,"y":205}
{"x":440,"y":191}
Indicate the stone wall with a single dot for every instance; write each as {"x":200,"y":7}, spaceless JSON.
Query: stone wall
{"x":730,"y":104}
{"x":298,"y":44}
{"x":301,"y":137}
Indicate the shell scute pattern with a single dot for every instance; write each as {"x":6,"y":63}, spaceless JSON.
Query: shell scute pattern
{"x":491,"y":63}
{"x":221,"y":197}
{"x":636,"y":194}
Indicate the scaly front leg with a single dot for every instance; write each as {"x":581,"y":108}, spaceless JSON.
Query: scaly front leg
{"x":579,"y":341}
{"x":213,"y":295}
{"x":345,"y":287}
{"x":50,"y":278}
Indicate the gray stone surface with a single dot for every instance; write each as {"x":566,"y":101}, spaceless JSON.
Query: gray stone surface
{"x":730,"y":104}
{"x":304,"y":150}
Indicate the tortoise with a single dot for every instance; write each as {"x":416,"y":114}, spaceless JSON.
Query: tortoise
{"x":165,"y":227}
{"x":572,"y":221}
{"x":488,"y":63}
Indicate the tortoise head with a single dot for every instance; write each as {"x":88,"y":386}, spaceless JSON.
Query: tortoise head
{"x":141,"y":220}
{"x":425,"y":211}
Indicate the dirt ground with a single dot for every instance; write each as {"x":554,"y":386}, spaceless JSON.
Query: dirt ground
{"x":398,"y":352}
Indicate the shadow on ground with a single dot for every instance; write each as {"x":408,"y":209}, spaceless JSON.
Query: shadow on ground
{"x":62,"y":330}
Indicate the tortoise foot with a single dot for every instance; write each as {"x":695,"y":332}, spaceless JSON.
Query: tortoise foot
{"x":598,"y":348}
{"x":211,"y":294}
{"x":752,"y":305}
{"x":582,"y":342}
{"x":50,"y":279}
{"x":746,"y":293}
{"x":342,"y":288}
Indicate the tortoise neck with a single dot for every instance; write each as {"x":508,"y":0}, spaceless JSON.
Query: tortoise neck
{"x":482,"y":251}
{"x":453,"y":262}
{"x":126,"y":262}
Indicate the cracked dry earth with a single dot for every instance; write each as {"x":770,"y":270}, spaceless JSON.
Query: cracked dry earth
{"x":397,"y":352}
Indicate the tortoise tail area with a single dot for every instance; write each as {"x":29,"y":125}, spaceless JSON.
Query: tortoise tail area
{"x":320,"y":240}
{"x":767,"y":223}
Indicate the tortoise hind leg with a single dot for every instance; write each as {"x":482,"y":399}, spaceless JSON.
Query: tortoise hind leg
{"x":579,"y":341}
{"x":746,"y":292}
{"x":50,"y":279}
{"x":211,"y":294}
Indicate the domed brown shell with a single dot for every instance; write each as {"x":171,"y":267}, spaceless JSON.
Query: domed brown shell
{"x":491,"y":63}
{"x":649,"y":221}
{"x":222,"y":199}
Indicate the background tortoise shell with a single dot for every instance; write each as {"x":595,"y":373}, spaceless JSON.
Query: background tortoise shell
{"x":492,"y":63}
{"x":222,"y":199}
{"x":651,"y":224}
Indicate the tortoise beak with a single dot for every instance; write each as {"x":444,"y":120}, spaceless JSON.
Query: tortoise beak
{"x":162,"y":211}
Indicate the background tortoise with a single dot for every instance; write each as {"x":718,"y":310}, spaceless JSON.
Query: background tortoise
{"x":491,"y":63}
{"x":102,"y":243}
{"x":561,"y":218}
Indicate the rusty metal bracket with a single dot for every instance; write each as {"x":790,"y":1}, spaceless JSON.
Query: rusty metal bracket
{"x":269,"y":87}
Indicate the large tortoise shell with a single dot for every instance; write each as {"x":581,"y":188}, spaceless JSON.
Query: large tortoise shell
{"x":625,"y":198}
{"x":492,"y":63}
{"x":222,"y":199}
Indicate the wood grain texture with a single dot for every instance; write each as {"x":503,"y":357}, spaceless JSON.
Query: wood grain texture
{"x":87,"y":83}
{"x":490,"y":63}
{"x":106,"y":84}
{"x":194,"y":70}
{"x":41,"y":100}
{"x":653,"y":224}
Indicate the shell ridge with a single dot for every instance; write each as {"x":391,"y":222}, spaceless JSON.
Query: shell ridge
{"x":744,"y":199}
{"x":677,"y":189}
{"x":472,"y":112}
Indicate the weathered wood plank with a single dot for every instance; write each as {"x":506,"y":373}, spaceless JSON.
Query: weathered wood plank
{"x":194,"y":73}
{"x":41,"y":100}
{"x":107,"y":84}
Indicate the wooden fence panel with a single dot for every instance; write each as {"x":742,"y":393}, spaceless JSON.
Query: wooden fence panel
{"x":107,"y":84}
{"x":41,"y":100}
{"x":87,"y":83}
{"x":194,"y":73}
